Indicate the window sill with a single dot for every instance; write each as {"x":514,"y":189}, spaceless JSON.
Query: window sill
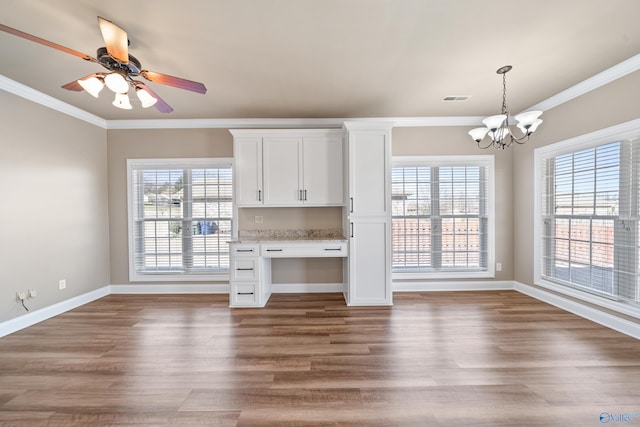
{"x":594,"y":299}
{"x":424,"y":275}
{"x":172,"y":277}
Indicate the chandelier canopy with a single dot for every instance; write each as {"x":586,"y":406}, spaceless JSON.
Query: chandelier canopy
{"x":498,"y":128}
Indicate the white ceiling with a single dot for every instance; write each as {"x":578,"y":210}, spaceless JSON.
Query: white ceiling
{"x":327,"y":58}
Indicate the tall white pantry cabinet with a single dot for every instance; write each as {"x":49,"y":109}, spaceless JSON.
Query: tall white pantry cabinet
{"x":367,"y":213}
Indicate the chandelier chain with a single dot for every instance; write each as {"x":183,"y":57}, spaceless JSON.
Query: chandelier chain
{"x":504,"y":94}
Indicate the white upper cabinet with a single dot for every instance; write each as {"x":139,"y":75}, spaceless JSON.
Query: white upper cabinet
{"x":369,"y":167}
{"x":322,"y":171}
{"x":282,"y":171}
{"x":288,"y":167}
{"x":247,"y":153}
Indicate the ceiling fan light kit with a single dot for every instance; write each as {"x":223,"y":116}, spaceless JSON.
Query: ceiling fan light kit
{"x":123,"y":69}
{"x":498,"y":128}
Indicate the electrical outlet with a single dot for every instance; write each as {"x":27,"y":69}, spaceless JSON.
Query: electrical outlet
{"x":21,"y":296}
{"x":62,"y":284}
{"x":498,"y":266}
{"x":32,"y":293}
{"x":258,"y":219}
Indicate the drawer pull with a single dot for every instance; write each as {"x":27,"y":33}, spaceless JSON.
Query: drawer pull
{"x":244,"y":250}
{"x":274,"y":250}
{"x":332,"y":249}
{"x":245,"y":293}
{"x":245,"y":269}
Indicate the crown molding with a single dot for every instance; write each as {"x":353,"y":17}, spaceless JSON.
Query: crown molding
{"x":224,"y":123}
{"x":301,"y":123}
{"x":607,"y":76}
{"x":38,"y":97}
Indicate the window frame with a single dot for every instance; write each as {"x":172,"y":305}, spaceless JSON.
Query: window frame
{"x":628,"y":131}
{"x":486,"y":161}
{"x":171,"y":163}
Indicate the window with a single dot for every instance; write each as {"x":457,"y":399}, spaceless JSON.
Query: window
{"x":180,"y":218}
{"x":441,"y":219}
{"x":587,"y":217}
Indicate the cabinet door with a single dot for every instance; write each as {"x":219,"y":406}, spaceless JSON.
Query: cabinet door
{"x":369,"y":262}
{"x":322,"y":169}
{"x":282,"y":162}
{"x":369,"y":173}
{"x":247,"y":154}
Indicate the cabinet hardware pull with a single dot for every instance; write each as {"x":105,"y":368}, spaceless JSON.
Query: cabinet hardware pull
{"x":351,"y":200}
{"x":274,"y":250}
{"x":244,"y":269}
{"x":351,"y":229}
{"x":244,"y":250}
{"x":332,"y":249}
{"x":245,"y":293}
{"x":259,"y":195}
{"x":305,"y":195}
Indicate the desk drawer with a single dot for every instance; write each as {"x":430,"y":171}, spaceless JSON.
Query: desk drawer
{"x":244,"y":294}
{"x":245,"y":268}
{"x":241,"y":250}
{"x":304,"y":250}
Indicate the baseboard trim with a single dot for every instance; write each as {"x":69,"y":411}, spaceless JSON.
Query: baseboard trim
{"x":30,"y":319}
{"x":212,"y":288}
{"x":469,"y":285}
{"x":603,"y":318}
{"x":292,"y":288}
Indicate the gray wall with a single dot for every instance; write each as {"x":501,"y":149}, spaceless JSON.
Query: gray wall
{"x":612,"y":104}
{"x":54,"y":205}
{"x":438,"y":141}
{"x":65,"y":213}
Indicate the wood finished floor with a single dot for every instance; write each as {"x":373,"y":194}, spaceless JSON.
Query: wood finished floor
{"x":433,"y":359}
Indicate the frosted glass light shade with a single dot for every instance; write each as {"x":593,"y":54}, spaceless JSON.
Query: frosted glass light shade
{"x":494,"y":122}
{"x":528,"y":117}
{"x":532,"y":127}
{"x":116,"y":83}
{"x":122,"y":101}
{"x":93,"y":85}
{"x":478,"y":133}
{"x":145,"y":98}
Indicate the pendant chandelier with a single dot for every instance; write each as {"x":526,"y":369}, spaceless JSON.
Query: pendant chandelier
{"x":497,"y":127}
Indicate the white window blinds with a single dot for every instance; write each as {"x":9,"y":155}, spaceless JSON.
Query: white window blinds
{"x":180,"y":217}
{"x":440,"y":218}
{"x":590,"y":235}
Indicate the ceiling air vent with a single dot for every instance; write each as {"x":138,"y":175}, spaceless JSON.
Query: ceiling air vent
{"x":456,"y":98}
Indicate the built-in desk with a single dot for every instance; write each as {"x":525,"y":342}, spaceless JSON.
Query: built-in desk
{"x":250,"y":263}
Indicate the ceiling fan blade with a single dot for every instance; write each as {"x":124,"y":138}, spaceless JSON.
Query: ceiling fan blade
{"x":115,"y":39}
{"x":160,"y":105}
{"x":174,"y":81}
{"x":44,"y":42}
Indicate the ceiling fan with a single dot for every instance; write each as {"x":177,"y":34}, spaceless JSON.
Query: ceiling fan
{"x":123,"y":69}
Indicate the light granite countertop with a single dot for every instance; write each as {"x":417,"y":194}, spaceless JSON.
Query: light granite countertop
{"x":292,"y":235}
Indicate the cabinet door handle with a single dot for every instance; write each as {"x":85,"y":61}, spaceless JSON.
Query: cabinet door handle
{"x":259,"y":195}
{"x":274,"y":250}
{"x":351,"y":203}
{"x":299,"y":194}
{"x":332,"y":249}
{"x":245,"y":293}
{"x":244,"y":269}
{"x":351,"y":229}
{"x":244,"y":250}
{"x":305,"y":195}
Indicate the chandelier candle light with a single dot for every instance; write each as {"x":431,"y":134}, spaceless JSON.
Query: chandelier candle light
{"x":497,"y":127}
